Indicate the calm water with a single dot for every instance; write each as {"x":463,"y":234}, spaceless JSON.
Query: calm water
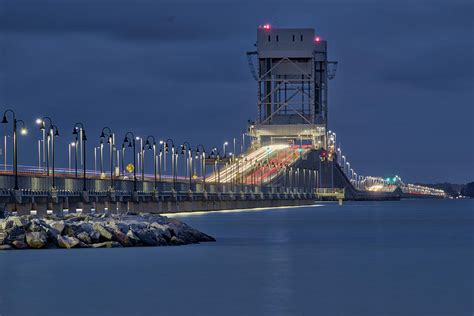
{"x":381,"y":258}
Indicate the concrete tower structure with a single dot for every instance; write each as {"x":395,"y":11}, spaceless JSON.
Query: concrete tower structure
{"x":292,"y":75}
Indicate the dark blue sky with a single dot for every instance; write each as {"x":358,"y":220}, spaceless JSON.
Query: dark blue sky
{"x":402,"y":101}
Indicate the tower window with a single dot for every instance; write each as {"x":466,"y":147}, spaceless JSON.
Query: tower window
{"x":277,"y":38}
{"x":301,"y":37}
{"x":293,"y":38}
{"x":269,"y":38}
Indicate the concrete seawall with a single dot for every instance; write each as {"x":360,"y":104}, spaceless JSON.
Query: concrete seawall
{"x":165,"y":200}
{"x":157,"y":207}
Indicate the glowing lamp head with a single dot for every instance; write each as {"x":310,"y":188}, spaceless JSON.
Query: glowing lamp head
{"x":23,"y":131}
{"x":39,"y":121}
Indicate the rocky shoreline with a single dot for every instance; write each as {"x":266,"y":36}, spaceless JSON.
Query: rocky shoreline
{"x":96,"y":231}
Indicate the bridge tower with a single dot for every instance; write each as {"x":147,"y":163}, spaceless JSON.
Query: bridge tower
{"x":292,"y":80}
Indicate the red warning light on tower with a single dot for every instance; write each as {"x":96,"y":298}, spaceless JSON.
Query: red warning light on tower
{"x":265,"y":26}
{"x":317,"y":39}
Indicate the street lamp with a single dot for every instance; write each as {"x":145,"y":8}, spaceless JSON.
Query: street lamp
{"x":215,"y":154}
{"x":52,"y":133}
{"x":152,"y":145}
{"x":186,"y":148}
{"x":202,"y":154}
{"x":193,"y":156}
{"x":223,"y":148}
{"x":160,"y":157}
{"x":23,"y":131}
{"x":131,"y":143}
{"x":72,"y":144}
{"x":173,"y":169}
{"x":107,"y":132}
{"x":141,"y":159}
{"x":80,"y":127}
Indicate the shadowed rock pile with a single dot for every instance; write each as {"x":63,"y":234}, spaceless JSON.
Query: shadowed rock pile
{"x":96,"y":231}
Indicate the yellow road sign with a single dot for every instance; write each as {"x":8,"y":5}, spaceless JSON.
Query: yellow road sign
{"x":130,"y":167}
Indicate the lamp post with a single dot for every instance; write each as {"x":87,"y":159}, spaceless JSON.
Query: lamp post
{"x":185,"y":149}
{"x":215,"y":154}
{"x":39,"y":121}
{"x":141,"y":160}
{"x":223,"y":149}
{"x":201,"y":152}
{"x":193,"y":155}
{"x":72,"y":144}
{"x":160,"y":158}
{"x":23,"y":131}
{"x":95,"y":159}
{"x":131,"y":143}
{"x":234,"y":149}
{"x":107,"y":132}
{"x":52,"y":133}
{"x":123,"y":160}
{"x":79,"y":129}
{"x":173,"y":171}
{"x":152,"y":145}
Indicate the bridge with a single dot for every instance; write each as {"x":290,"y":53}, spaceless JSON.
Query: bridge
{"x":293,"y":157}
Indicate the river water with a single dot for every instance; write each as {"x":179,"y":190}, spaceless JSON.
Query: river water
{"x":413,"y":257}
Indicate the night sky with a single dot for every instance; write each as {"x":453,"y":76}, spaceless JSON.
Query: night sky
{"x":401,"y":103}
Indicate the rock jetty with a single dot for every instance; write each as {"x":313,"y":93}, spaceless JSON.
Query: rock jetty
{"x":96,"y":231}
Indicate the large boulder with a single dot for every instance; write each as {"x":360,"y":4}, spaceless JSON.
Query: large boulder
{"x":19,"y":244}
{"x":84,"y":237}
{"x":3,"y":238}
{"x":104,"y":233}
{"x":133,"y":237}
{"x":122,"y":238}
{"x":161,"y":229}
{"x":136,"y":226}
{"x":14,"y":221}
{"x":5,"y":247}
{"x":146,"y":237}
{"x":117,"y":226}
{"x":67,"y":242}
{"x":86,"y":227}
{"x":35,"y":225}
{"x":18,"y":221}
{"x":51,"y":233}
{"x":36,"y":240}
{"x":72,"y":229}
{"x":58,"y":226}
{"x":175,"y":241}
{"x":15,"y":233}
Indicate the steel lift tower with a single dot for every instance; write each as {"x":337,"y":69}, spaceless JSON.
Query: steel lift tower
{"x":292,"y":79}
